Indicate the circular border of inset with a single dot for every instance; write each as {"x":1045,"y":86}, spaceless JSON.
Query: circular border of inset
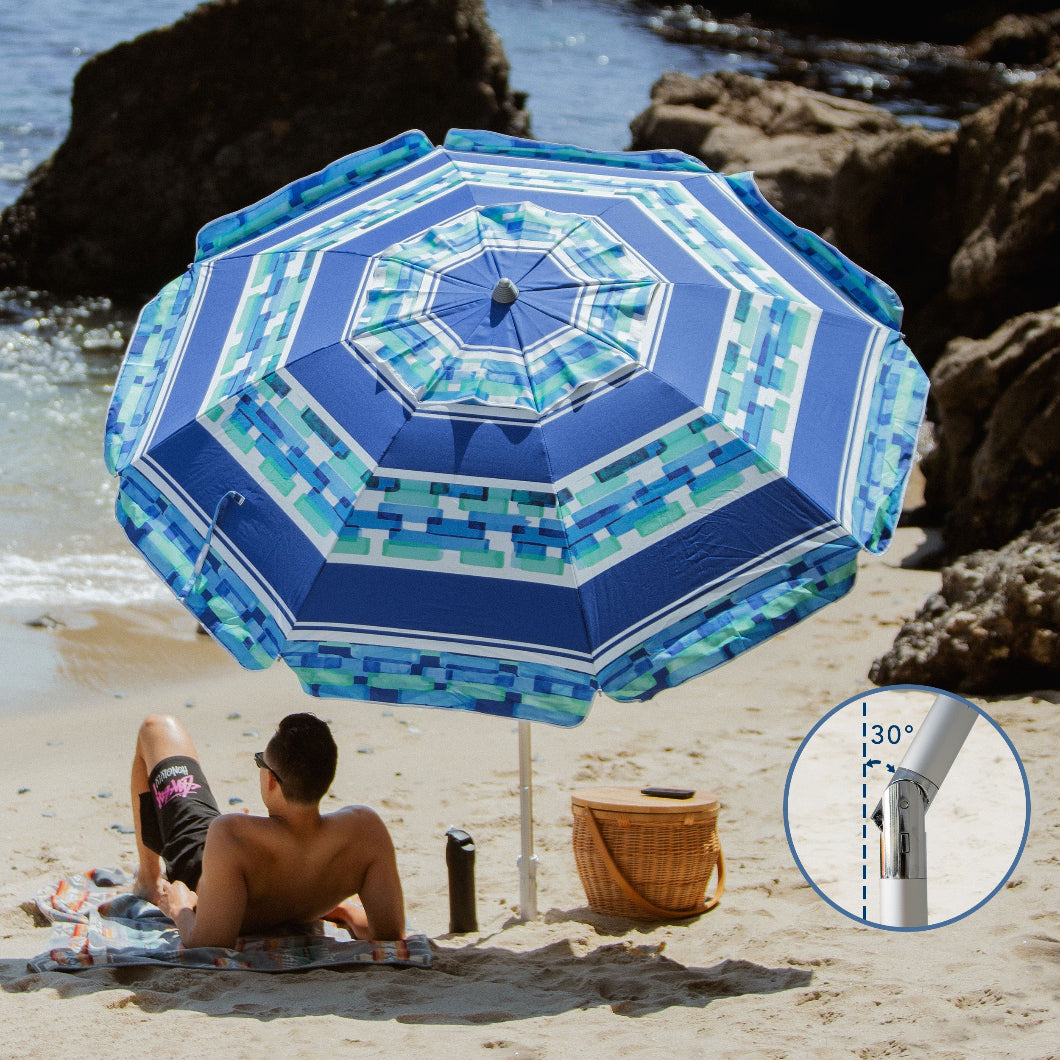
{"x":871,"y":832}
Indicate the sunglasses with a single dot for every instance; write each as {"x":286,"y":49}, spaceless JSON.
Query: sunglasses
{"x":259,"y":759}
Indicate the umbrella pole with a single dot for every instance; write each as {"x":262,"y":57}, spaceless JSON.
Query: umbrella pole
{"x":900,"y":813}
{"x":527,"y":858}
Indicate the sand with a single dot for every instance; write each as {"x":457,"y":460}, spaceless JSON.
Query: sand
{"x":774,"y":971}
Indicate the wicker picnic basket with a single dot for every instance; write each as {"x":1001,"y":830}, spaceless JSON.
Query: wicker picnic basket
{"x":645,"y":857}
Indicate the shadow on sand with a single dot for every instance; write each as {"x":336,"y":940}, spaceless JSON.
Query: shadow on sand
{"x":470,"y":983}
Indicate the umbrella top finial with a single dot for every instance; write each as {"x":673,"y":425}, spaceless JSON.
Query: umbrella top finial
{"x":505,"y":291}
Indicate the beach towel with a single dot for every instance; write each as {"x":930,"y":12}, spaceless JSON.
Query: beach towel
{"x":94,"y":924}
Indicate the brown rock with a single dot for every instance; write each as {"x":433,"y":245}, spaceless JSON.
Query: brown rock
{"x":1008,"y":208}
{"x":235,"y":100}
{"x":793,"y":138}
{"x":994,"y":626}
{"x":1018,"y":40}
{"x":996,"y":464}
{"x":965,"y":225}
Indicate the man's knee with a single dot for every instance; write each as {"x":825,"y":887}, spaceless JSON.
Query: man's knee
{"x":162,"y":735}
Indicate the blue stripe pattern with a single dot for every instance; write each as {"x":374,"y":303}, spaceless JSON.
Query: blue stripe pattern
{"x":672,"y":445}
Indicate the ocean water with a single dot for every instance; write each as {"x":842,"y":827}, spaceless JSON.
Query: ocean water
{"x":588,"y":66}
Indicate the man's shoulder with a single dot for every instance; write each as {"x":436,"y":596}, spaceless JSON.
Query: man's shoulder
{"x":356,"y":820}
{"x":235,"y":827}
{"x":353,"y":815}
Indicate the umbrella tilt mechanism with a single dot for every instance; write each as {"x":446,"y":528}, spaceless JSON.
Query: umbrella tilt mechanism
{"x":196,"y":570}
{"x":901,"y":812}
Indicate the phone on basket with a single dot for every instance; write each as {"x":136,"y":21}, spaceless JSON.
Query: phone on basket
{"x":668,"y":793}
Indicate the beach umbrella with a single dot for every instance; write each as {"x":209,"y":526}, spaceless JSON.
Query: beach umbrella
{"x":500,"y":424}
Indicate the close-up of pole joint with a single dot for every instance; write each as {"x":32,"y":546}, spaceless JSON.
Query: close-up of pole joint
{"x":901,"y":812}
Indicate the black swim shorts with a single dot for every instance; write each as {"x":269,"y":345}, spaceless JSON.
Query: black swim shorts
{"x":175,"y":813}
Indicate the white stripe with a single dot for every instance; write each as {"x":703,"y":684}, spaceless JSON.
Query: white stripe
{"x":432,"y":641}
{"x":853,"y":445}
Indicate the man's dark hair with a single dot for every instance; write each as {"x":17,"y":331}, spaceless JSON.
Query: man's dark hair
{"x":304,"y":755}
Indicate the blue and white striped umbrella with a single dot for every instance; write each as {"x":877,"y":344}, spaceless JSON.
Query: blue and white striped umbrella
{"x":498,"y":424}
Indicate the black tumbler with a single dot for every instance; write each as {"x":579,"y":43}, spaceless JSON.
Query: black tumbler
{"x":460,"y":860}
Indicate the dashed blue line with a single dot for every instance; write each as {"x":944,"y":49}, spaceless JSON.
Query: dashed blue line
{"x":864,"y":809}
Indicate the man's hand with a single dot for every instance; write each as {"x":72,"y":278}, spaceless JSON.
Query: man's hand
{"x":178,"y":903}
{"x":350,"y":914}
{"x":174,"y":897}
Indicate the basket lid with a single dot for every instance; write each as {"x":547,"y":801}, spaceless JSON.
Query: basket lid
{"x":630,"y":800}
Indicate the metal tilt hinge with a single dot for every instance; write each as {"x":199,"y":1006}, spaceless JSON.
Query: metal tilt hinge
{"x":900,"y":814}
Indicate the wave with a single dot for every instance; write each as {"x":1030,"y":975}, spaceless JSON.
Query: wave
{"x":78,"y":580}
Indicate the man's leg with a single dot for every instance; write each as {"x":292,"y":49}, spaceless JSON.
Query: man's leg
{"x":160,"y":736}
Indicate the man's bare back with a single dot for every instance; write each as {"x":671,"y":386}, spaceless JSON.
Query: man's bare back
{"x":296,"y":865}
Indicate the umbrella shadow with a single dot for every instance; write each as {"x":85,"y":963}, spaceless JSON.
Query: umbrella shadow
{"x":475,"y":984}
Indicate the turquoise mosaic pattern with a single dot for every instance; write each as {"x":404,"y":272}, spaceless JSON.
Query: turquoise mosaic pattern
{"x":479,"y":141}
{"x":297,"y":198}
{"x":309,"y":468}
{"x":657,"y":486}
{"x":272,"y":303}
{"x":872,"y":294}
{"x":494,"y":530}
{"x":528,"y":691}
{"x":714,"y":634}
{"x":898,"y":398}
{"x":758,"y":388}
{"x":360,"y":217}
{"x":703,"y":640}
{"x":219,"y":599}
{"x":143,"y":372}
{"x":589,"y":522}
{"x":598,"y":327}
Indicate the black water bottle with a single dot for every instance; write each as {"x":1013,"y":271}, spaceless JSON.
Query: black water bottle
{"x":460,"y":860}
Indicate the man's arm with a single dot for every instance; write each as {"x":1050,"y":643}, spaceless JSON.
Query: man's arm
{"x":214,"y":915}
{"x":380,"y":891}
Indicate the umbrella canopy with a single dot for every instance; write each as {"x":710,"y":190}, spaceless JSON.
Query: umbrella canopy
{"x":498,"y":424}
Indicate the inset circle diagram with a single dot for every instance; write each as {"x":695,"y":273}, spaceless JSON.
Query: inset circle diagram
{"x":971,"y":833}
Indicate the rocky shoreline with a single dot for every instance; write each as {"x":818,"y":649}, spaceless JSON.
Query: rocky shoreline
{"x":192,"y":121}
{"x":920,"y":78}
{"x":963,"y":221}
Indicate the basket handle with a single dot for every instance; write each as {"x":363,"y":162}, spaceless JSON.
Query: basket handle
{"x":635,"y":896}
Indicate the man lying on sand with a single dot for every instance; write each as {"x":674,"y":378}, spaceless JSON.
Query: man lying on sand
{"x":234,"y":873}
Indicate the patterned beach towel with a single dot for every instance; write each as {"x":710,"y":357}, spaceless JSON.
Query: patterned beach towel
{"x":94,"y":924}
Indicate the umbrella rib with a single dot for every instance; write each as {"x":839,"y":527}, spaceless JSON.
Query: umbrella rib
{"x":595,"y":333}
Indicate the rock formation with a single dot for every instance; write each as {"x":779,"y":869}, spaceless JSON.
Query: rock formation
{"x":794,"y":139}
{"x":964,"y":224}
{"x":932,"y":22}
{"x":236,"y":99}
{"x":995,"y":468}
{"x":1019,"y":40}
{"x":994,"y":626}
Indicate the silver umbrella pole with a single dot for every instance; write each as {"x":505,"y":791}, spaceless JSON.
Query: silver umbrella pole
{"x":900,"y":813}
{"x":527,"y":858}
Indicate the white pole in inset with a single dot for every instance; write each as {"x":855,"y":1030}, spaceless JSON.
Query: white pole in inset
{"x":527,"y":858}
{"x":900,"y":813}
